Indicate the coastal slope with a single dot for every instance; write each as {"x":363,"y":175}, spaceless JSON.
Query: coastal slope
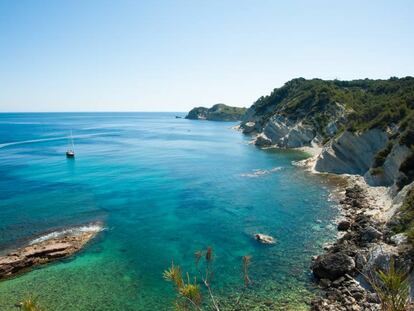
{"x":218,"y":112}
{"x":364,"y":127}
{"x":364,"y":130}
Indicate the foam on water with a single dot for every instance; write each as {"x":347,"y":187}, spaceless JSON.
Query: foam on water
{"x":95,"y":227}
{"x":258,"y":172}
{"x":166,"y":187}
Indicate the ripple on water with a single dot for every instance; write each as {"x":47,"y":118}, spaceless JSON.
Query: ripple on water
{"x":165,"y":187}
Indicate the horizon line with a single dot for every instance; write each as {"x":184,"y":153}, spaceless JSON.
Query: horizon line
{"x":126,"y":111}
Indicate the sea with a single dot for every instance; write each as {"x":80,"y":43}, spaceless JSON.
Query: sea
{"x":160,"y":188}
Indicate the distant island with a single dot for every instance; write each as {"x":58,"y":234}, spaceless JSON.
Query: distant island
{"x":218,"y":112}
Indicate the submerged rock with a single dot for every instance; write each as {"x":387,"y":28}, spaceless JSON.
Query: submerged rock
{"x":265,"y":239}
{"x":332,"y":266}
{"x":44,"y":251}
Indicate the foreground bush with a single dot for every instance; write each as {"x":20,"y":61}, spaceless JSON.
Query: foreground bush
{"x":189,"y":296}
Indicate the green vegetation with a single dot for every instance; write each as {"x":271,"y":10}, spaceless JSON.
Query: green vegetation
{"x":189,"y":290}
{"x":221,"y":112}
{"x":404,"y":220}
{"x":392,"y":288}
{"x":377,"y":171}
{"x":368,"y":103}
{"x":29,"y":304}
{"x":188,"y":294}
{"x":356,"y":105}
{"x":382,"y":155}
{"x":218,"y":112}
{"x":407,"y":170}
{"x":407,"y":137}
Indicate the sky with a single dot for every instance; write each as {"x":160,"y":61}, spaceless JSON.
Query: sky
{"x":98,"y":55}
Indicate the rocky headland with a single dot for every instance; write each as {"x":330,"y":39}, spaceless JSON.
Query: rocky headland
{"x":364,"y":131}
{"x":218,"y":112}
{"x":49,"y":248}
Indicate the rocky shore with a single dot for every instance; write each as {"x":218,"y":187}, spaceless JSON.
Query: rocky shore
{"x":375,"y":154}
{"x":365,"y":245}
{"x":42,"y":251}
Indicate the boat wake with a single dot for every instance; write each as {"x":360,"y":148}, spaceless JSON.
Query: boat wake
{"x":258,"y":172}
{"x":50,"y":139}
{"x":93,"y":227}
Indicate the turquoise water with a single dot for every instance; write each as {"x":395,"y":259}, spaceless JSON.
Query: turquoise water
{"x":164,"y":188}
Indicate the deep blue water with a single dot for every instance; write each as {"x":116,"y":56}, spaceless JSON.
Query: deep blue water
{"x":164,"y":188}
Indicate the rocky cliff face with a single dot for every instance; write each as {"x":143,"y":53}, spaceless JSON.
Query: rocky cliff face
{"x":219,"y":112}
{"x":355,"y":153}
{"x":351,"y":153}
{"x":390,"y":170}
{"x":287,"y":132}
{"x":197,"y":113}
{"x":326,"y":114}
{"x":291,"y":132}
{"x":364,"y":128}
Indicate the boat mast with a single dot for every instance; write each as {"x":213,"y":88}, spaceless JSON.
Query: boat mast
{"x":71,"y":140}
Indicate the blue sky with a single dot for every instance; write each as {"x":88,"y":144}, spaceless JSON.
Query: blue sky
{"x":172,"y":55}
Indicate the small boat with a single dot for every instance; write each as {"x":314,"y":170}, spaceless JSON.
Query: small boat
{"x":70,"y":153}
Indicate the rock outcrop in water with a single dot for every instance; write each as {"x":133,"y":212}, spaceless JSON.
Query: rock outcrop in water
{"x":218,"y":112}
{"x":264,"y":239}
{"x":44,"y":251}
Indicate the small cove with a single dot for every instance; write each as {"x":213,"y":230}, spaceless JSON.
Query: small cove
{"x":164,"y":188}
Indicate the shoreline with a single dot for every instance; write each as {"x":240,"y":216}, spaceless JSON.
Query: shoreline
{"x":362,"y":242}
{"x":379,"y":198}
{"x":338,"y":269}
{"x":378,"y":204}
{"x":47,"y":248}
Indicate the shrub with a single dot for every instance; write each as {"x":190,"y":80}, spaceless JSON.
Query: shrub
{"x":369,"y":103}
{"x":404,"y":220}
{"x":392,"y":288}
{"x":381,"y":156}
{"x":377,"y":171}
{"x":407,"y":168}
{"x":29,"y":304}
{"x":189,"y":295}
{"x":407,"y":138}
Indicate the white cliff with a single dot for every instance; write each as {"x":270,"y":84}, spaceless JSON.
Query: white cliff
{"x":289,"y":134}
{"x":389,"y":172}
{"x":351,"y":153}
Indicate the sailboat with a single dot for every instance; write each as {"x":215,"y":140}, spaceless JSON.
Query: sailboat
{"x":70,"y":153}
